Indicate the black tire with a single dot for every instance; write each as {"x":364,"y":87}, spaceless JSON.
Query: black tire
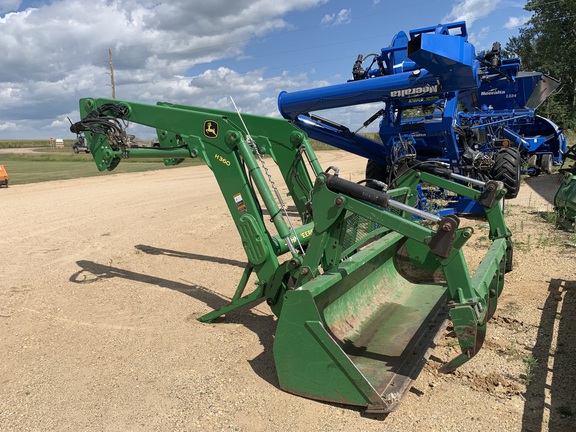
{"x":75,"y":149}
{"x":506,"y":169}
{"x":546,"y":163}
{"x":376,"y":171}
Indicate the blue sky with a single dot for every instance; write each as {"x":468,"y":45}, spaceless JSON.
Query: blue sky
{"x":202,"y":52}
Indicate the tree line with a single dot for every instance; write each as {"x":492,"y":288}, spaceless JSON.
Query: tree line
{"x":547,"y":43}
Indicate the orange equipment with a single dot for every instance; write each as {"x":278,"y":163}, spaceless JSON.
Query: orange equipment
{"x":4,"y":177}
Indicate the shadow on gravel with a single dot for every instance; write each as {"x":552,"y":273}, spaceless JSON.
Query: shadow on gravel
{"x":550,"y":403}
{"x":264,"y":326}
{"x":151,"y":250}
{"x":545,"y":185}
{"x":92,"y":272}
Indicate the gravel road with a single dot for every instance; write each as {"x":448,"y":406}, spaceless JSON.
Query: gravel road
{"x":103,"y":279}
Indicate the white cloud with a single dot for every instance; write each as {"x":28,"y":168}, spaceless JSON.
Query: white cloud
{"x":253,"y":93}
{"x":471,"y":10}
{"x":479,"y":39}
{"x":327,"y":19}
{"x":342,"y":17}
{"x":7,"y":126}
{"x":515,"y":22}
{"x":55,"y":54}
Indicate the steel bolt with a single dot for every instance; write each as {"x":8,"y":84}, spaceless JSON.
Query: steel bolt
{"x":304,"y":271}
{"x":446,"y":227}
{"x":339,"y":201}
{"x":296,"y":138}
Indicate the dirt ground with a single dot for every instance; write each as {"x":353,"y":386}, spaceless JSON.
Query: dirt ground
{"x":103,"y":277}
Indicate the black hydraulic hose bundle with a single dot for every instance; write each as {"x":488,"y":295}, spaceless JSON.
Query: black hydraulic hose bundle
{"x":97,"y":122}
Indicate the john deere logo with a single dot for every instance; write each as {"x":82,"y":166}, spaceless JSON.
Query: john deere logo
{"x":210,"y":129}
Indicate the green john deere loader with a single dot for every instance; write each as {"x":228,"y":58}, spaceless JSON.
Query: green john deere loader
{"x":361,"y":283}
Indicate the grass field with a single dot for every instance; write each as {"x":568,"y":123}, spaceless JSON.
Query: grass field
{"x":48,"y":164}
{"x":22,"y":172}
{"x":32,"y":143}
{"x":62,"y":164}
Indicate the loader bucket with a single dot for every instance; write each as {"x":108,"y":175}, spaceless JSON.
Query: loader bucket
{"x":360,"y":335}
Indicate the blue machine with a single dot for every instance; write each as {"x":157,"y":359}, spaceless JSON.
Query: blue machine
{"x":506,"y":110}
{"x":442,"y":104}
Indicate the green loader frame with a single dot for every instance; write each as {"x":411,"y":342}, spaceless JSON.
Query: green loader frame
{"x":362,"y":283}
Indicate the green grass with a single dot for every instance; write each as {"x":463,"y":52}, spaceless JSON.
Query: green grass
{"x":60,"y":155}
{"x":24,"y":169}
{"x":571,"y":136}
{"x":32,"y":143}
{"x":49,"y":164}
{"x":531,"y":363}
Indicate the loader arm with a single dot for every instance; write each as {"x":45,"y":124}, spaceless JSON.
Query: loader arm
{"x":362,"y":282}
{"x":218,"y":138}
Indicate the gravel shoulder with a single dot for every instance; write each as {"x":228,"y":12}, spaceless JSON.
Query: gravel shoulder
{"x":103,"y":279}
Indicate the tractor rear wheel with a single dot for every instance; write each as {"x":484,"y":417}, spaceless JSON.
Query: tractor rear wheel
{"x":546,"y":163}
{"x":376,"y":171}
{"x":507,"y":170}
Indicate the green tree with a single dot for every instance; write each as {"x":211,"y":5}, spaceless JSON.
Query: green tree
{"x":547,"y":44}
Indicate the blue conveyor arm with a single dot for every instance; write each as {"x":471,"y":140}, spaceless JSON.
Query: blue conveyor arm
{"x":444,"y":63}
{"x":418,"y":82}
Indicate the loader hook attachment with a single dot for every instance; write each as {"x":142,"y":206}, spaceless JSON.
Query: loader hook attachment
{"x":478,"y":334}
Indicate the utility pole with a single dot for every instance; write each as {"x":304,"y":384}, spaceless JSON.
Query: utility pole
{"x":112,"y":73}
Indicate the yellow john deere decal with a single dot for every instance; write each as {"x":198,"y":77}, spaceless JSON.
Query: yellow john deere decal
{"x":210,"y":129}
{"x":222,"y":159}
